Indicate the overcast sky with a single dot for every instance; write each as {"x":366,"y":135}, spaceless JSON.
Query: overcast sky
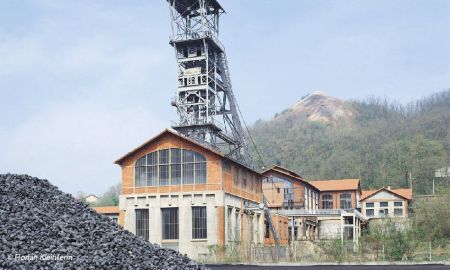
{"x":84,"y":82}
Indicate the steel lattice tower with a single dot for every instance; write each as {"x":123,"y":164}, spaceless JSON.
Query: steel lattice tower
{"x":204,"y":100}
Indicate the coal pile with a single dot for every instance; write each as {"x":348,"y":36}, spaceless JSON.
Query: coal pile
{"x":43,"y":228}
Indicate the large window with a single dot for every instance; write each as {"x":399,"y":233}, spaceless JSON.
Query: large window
{"x":346,"y":200}
{"x":142,"y":223}
{"x":288,"y":200}
{"x":170,"y":167}
{"x":327,"y":201}
{"x":199,"y":222}
{"x":169,"y":223}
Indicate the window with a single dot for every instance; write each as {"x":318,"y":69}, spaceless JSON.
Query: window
{"x":199,"y":222}
{"x":346,"y":201}
{"x":226,"y":165}
{"x":369,"y":212}
{"x":267,"y":229}
{"x":327,"y":201}
{"x":384,"y":212}
{"x":288,"y":200}
{"x":244,"y":180}
{"x":258,"y":184}
{"x":369,"y":205}
{"x":142,"y":223}
{"x":169,"y":223}
{"x":398,"y":212}
{"x":170,"y":167}
{"x":236,"y":176}
{"x":237,"y":233}
{"x":175,"y":167}
{"x":383,"y":204}
{"x":230,"y":228}
{"x":252,"y":182}
{"x":398,"y":203}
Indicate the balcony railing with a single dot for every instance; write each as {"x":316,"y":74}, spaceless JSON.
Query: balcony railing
{"x":319,"y":212}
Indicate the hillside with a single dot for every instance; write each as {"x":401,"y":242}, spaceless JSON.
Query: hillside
{"x":377,"y":140}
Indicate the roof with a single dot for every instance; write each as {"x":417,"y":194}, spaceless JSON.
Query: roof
{"x":281,"y":170}
{"x":89,"y":195}
{"x":168,"y":131}
{"x":402,"y":192}
{"x":107,"y":209}
{"x":336,"y":185}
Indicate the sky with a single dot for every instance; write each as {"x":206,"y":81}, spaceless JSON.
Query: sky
{"x":84,"y":82}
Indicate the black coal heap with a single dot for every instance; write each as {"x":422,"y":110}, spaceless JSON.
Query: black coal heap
{"x":43,"y":228}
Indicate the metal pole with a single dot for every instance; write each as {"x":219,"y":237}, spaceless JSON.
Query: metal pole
{"x":292,"y":236}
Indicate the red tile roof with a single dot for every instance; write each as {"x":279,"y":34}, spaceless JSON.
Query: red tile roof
{"x":107,"y":209}
{"x":339,"y":184}
{"x":402,"y":192}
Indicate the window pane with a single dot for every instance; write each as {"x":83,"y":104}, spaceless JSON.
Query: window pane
{"x":152,"y":175}
{"x":164,"y":175}
{"x":199,"y":157}
{"x":188,"y":173}
{"x":164,"y":156}
{"x":236,"y":176}
{"x":369,"y":204}
{"x":175,"y":155}
{"x":152,"y":158}
{"x":170,"y":223}
{"x":142,"y":223}
{"x":369,"y":212}
{"x":244,"y":180}
{"x":137,"y":176}
{"x":141,"y":176}
{"x":398,"y":212}
{"x":200,"y":173}
{"x":346,"y":201}
{"x":327,"y":201}
{"x":383,"y":204}
{"x":188,"y":156}
{"x":175,"y":174}
{"x":398,"y":203}
{"x":199,"y":230}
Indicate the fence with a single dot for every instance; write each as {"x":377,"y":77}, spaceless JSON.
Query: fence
{"x":329,"y":251}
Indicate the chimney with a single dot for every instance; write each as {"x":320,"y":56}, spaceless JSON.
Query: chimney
{"x":389,"y":187}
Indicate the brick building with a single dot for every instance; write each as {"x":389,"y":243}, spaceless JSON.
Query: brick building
{"x":288,"y":194}
{"x":180,"y":194}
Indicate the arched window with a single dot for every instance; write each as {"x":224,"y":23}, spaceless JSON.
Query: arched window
{"x":170,"y":167}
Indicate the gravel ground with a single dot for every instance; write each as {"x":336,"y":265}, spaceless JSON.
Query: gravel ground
{"x":43,"y":228}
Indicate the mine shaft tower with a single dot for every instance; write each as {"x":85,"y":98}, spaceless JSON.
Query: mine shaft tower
{"x":204,"y":100}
